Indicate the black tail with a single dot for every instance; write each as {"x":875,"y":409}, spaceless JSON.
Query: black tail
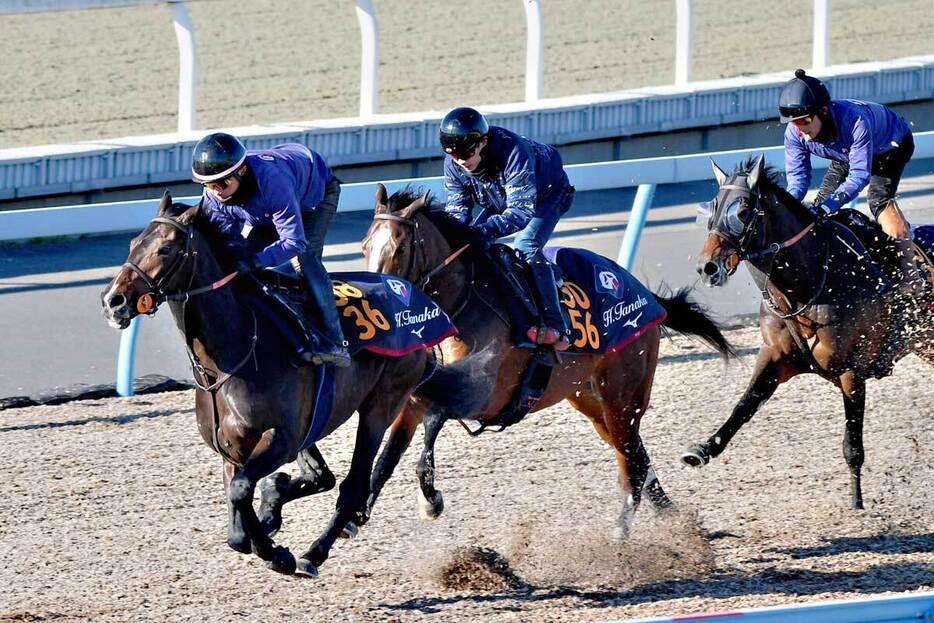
{"x":460,"y":389}
{"x":691,"y":318}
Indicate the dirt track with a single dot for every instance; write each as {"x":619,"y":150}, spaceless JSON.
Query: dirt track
{"x":73,"y":76}
{"x":112,"y":511}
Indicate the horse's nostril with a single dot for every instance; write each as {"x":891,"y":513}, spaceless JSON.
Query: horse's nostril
{"x":711,"y":269}
{"x":115,"y":301}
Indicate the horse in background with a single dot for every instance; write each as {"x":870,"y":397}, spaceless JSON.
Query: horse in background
{"x":253,"y":406}
{"x":413,"y":238}
{"x":828,"y":307}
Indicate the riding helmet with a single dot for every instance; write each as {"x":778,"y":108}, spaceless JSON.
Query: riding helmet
{"x":216,"y":156}
{"x":462,"y":129}
{"x":803,"y":95}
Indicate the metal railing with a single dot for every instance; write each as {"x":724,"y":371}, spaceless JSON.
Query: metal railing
{"x":918,"y":608}
{"x":644,"y":173}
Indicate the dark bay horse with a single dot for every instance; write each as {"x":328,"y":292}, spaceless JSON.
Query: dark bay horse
{"x":827,"y":307}
{"x":414,"y":239}
{"x":253,"y":406}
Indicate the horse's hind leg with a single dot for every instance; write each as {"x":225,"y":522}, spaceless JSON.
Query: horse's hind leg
{"x":651,"y":485}
{"x":430,"y":500}
{"x":400,"y":437}
{"x":854,"y":402}
{"x":770,"y":371}
{"x":280,"y":488}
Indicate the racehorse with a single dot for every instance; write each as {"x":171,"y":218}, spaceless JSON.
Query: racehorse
{"x":827,"y":307}
{"x":413,"y":238}
{"x":253,"y":406}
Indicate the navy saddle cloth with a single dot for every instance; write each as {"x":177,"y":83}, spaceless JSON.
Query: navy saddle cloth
{"x":606,"y":307}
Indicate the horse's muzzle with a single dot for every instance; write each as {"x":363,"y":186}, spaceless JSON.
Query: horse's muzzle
{"x":712,"y":273}
{"x":116,"y":310}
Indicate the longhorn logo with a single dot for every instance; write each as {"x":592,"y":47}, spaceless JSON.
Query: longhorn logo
{"x":399,"y":288}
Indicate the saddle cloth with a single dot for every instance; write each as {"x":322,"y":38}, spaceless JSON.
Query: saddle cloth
{"x":606,"y":308}
{"x":387,"y":315}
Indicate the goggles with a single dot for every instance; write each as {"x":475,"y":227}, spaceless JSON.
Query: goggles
{"x":802,"y":121}
{"x":461,"y":147}
{"x":221,"y":184}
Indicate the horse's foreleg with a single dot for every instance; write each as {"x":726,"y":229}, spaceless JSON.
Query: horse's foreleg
{"x":854,"y":401}
{"x":268,"y":455}
{"x":430,"y":500}
{"x":237,"y":537}
{"x":770,"y":371}
{"x":280,"y":488}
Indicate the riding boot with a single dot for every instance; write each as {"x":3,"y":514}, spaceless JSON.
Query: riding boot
{"x":333,"y":348}
{"x":553,"y":330}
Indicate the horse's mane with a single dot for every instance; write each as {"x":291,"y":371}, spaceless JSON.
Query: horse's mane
{"x":773,"y":184}
{"x":455,"y":232}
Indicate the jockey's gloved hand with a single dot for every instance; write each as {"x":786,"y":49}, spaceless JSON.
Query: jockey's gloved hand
{"x":819,"y":208}
{"x":248,"y":265}
{"x":479,"y":238}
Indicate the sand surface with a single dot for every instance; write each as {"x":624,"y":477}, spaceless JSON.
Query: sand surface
{"x":113,"y":511}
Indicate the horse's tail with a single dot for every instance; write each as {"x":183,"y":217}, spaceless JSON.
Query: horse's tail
{"x":692,"y":318}
{"x":461,"y":388}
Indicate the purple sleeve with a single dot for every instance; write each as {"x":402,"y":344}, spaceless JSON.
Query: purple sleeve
{"x":521,"y":194}
{"x":227,"y":225}
{"x":797,"y":164}
{"x":287,"y":218}
{"x":860,"y":163}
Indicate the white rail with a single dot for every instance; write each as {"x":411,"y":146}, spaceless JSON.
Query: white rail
{"x":918,"y":608}
{"x":133,"y":215}
{"x":369,"y":58}
{"x":534,"y":50}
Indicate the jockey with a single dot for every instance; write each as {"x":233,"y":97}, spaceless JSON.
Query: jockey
{"x":867,"y":143}
{"x":290,"y":189}
{"x":518,"y":187}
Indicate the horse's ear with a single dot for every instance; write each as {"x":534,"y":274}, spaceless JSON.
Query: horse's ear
{"x":165,"y":203}
{"x":757,"y":172}
{"x":718,"y":173}
{"x":189,"y":215}
{"x":415,"y":206}
{"x":382,"y":199}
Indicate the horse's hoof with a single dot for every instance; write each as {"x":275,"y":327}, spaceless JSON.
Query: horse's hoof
{"x":306,"y":569}
{"x":619,"y":534}
{"x":282,"y":561}
{"x":430,"y":509}
{"x":695,"y":456}
{"x":350,"y":531}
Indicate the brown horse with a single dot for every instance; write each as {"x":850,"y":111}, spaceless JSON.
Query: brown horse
{"x":253,"y":406}
{"x":826,"y":307}
{"x":413,"y":239}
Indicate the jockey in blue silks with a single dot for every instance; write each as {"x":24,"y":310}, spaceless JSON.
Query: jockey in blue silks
{"x":868,"y":145}
{"x":290,"y":190}
{"x":500,"y":183}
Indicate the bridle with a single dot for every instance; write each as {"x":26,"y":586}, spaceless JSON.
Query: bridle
{"x":744,"y":252}
{"x":423,"y":282}
{"x":149,"y":301}
{"x":414,"y":225}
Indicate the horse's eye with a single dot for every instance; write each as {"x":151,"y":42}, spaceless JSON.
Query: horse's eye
{"x":735,"y":212}
{"x":166,"y":250}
